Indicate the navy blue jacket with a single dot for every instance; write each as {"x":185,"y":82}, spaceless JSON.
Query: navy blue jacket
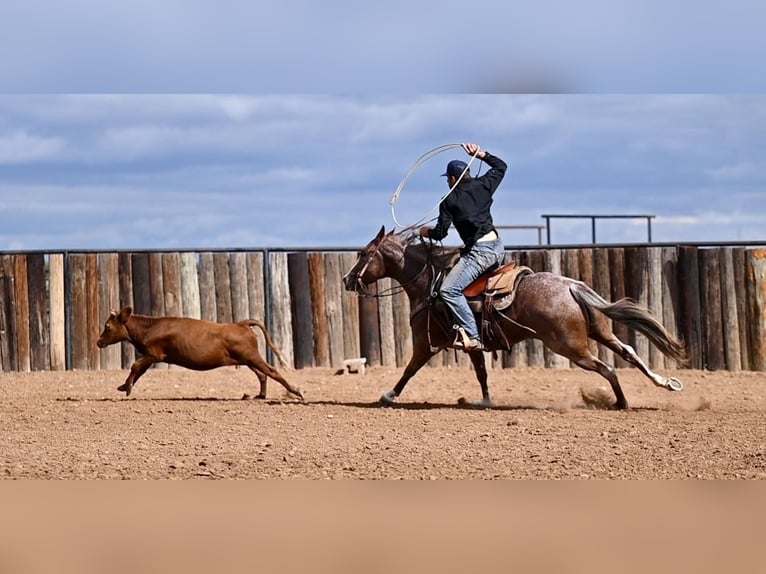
{"x":468,"y":206}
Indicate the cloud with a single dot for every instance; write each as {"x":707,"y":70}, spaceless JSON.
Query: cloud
{"x":21,"y":147}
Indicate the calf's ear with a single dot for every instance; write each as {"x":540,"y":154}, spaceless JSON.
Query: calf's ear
{"x":124,"y":314}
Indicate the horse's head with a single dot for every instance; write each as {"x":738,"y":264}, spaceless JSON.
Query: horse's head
{"x":371,"y":263}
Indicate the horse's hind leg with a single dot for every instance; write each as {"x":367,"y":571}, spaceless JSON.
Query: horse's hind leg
{"x":629,"y":354}
{"x":591,"y":363}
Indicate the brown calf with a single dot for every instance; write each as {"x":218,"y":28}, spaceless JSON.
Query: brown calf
{"x":191,"y":343}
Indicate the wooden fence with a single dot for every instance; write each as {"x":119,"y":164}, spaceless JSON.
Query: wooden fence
{"x":54,"y":304}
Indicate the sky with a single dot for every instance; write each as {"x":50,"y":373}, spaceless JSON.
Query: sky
{"x":198,"y":124}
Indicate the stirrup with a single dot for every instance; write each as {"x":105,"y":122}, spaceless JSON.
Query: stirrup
{"x":463,"y":342}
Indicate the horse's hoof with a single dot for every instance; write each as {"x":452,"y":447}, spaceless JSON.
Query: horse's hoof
{"x":482,"y":404}
{"x":387,"y":399}
{"x":674,"y":384}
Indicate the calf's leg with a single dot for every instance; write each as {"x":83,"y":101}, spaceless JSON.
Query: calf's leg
{"x":136,"y":370}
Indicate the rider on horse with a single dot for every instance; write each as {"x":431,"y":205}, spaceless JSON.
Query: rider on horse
{"x":468,"y":207}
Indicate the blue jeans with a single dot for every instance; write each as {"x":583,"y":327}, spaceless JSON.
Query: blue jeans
{"x":470,"y":266}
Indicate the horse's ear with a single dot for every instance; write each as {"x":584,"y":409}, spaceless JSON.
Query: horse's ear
{"x":381,"y":233}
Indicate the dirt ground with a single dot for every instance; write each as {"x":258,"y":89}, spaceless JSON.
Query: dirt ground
{"x":180,"y":424}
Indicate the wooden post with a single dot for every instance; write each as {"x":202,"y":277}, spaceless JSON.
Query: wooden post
{"x":757,"y":290}
{"x":617,"y":285}
{"x":602,"y":286}
{"x":142,"y":284}
{"x":125,"y":269}
{"x":386,"y":319}
{"x":207,"y":287}
{"x":222,"y":287}
{"x":654,"y":262}
{"x":256,"y":296}
{"x":710,"y":303}
{"x":731,"y":321}
{"x":743,"y":307}
{"x":6,"y":312}
{"x":40,"y":351}
{"x":300,"y":308}
{"x":21,"y":297}
{"x":690,"y":313}
{"x":280,"y":306}
{"x":240,"y":307}
{"x":351,"y":348}
{"x":318,"y":295}
{"x":110,"y":358}
{"x":333,"y":283}
{"x":369,"y":327}
{"x":670,"y":297}
{"x":93,"y":316}
{"x":190,"y":300}
{"x":57,"y":312}
{"x":171,"y":284}
{"x":78,"y":312}
{"x":637,"y":287}
{"x":156,"y":288}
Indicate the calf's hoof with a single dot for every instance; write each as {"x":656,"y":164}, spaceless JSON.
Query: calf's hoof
{"x":126,"y":388}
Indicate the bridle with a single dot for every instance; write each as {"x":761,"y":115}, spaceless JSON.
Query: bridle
{"x":361,"y":289}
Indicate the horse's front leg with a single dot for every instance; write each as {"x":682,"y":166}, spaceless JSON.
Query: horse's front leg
{"x":421,"y":352}
{"x":480,"y":368}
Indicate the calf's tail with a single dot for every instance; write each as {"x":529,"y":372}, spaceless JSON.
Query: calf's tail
{"x":269,"y":342}
{"x":630,"y":313}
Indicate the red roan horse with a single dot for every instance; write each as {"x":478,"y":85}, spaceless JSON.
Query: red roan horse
{"x":562,"y":312}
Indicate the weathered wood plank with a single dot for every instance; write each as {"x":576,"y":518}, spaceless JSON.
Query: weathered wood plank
{"x":142,"y":284}
{"x":710,"y":300}
{"x":602,"y":285}
{"x":280,"y":307}
{"x":21,"y":308}
{"x":386,"y":320}
{"x":617,"y":286}
{"x":110,"y":358}
{"x":256,"y":297}
{"x":351,"y":348}
{"x":171,"y":284}
{"x":190,"y":300}
{"x":125,"y":269}
{"x":637,"y":287}
{"x":156,"y":287}
{"x":93,"y":315}
{"x":369,"y":327}
{"x":670,"y":297}
{"x":79,"y":312}
{"x":690,"y":319}
{"x":729,"y":313}
{"x":222,"y":287}
{"x":300,"y":308}
{"x":6,"y":310}
{"x":240,"y":306}
{"x":40,"y":351}
{"x":654,"y":268}
{"x":57,"y":310}
{"x":207,"y":288}
{"x":333,"y":283}
{"x":317,"y":290}
{"x":756,"y":263}
{"x":743,"y":308}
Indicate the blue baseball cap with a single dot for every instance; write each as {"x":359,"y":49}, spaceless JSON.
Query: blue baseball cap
{"x":455,"y":168}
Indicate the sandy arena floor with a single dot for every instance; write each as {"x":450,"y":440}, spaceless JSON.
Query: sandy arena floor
{"x":184,"y":424}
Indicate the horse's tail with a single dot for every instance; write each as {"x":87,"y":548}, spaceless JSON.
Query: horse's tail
{"x":269,"y":342}
{"x":633,"y":315}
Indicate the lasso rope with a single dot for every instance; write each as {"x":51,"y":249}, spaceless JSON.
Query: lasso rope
{"x":420,"y":161}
